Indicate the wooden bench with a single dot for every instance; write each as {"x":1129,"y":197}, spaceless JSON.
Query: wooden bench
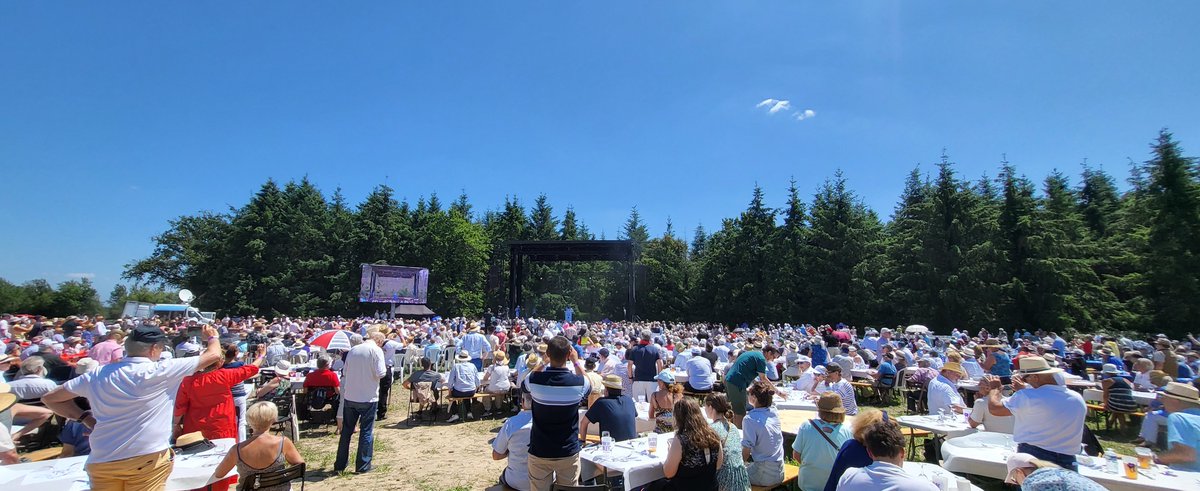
{"x":43,"y":454}
{"x":912,"y":434}
{"x":790,"y":473}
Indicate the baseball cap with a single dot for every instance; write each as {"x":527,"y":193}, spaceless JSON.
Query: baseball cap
{"x":148,"y":334}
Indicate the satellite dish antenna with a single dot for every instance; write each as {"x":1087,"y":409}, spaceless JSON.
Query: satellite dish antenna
{"x":186,"y":296}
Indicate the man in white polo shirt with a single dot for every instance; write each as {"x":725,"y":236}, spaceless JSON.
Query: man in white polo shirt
{"x":132,"y":403}
{"x":1047,"y":418}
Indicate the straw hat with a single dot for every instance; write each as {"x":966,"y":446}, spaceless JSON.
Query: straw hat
{"x":953,"y":366}
{"x":463,"y":356}
{"x":612,"y":381}
{"x":283,"y":368}
{"x":532,"y":361}
{"x":189,"y":439}
{"x":991,"y":343}
{"x":1033,"y":365}
{"x":7,"y":398}
{"x":1182,"y":392}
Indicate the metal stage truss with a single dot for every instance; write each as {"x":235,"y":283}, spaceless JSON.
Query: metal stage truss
{"x":520,"y":252}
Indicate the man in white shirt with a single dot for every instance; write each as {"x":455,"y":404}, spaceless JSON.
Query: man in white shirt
{"x":807,"y":375}
{"x":981,"y":416}
{"x":512,"y":442}
{"x":722,"y":351}
{"x":31,"y":382}
{"x":943,"y":390}
{"x":360,"y":393}
{"x":885,"y":445}
{"x":132,"y":404}
{"x":1047,"y":418}
{"x":608,"y":363}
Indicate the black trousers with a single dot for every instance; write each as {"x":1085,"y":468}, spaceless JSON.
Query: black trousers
{"x":385,"y":388}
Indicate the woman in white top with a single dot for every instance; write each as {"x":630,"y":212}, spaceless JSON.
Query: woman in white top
{"x":496,"y":382}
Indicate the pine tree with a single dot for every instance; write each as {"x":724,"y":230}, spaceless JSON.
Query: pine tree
{"x":1173,"y":253}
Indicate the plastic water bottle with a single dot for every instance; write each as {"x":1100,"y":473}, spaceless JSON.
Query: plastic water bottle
{"x":606,"y":442}
{"x":1112,"y":464}
{"x":653,"y":443}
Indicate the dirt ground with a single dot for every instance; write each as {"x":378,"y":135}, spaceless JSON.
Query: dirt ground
{"x":425,"y":457}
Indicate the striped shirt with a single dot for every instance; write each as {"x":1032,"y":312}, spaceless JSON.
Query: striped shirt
{"x":844,"y":389}
{"x":556,"y":395}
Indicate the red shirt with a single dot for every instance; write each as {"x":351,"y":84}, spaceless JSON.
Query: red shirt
{"x":206,"y":403}
{"x":321,"y":377}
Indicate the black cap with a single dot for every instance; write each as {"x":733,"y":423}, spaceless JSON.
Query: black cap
{"x":148,"y":334}
{"x":603,"y":351}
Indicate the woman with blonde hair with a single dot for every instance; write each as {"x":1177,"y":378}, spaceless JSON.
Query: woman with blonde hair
{"x":495,"y":382}
{"x":262,"y":453}
{"x":854,"y":452}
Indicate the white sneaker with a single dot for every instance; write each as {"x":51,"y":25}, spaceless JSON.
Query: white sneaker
{"x":452,"y":419}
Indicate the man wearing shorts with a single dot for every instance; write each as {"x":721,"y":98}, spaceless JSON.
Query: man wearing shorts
{"x":750,"y":365}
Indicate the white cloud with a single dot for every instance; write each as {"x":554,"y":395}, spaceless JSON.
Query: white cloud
{"x":775,"y":105}
{"x":80,"y":276}
{"x":805,"y":114}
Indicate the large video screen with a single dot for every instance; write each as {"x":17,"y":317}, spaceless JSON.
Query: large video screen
{"x":393,"y":284}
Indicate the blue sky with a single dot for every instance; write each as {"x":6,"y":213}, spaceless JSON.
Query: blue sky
{"x":116,"y":118}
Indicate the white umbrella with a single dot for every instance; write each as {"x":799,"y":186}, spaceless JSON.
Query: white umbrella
{"x":916,"y":329}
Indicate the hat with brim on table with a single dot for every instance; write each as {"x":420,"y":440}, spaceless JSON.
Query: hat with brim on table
{"x":463,"y":356}
{"x":612,"y":381}
{"x":1182,"y":392}
{"x":1035,"y":365}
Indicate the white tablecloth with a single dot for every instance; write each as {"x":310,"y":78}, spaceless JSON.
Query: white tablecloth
{"x":794,"y":399}
{"x":985,"y":454}
{"x":1140,"y":397}
{"x":953,"y":426}
{"x":929,"y":470}
{"x":190,"y":472}
{"x":863,"y":373}
{"x":630,"y":459}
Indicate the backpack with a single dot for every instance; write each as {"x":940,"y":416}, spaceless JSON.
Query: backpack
{"x":318,"y":397}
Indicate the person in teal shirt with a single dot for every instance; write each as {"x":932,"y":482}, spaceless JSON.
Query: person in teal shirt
{"x":818,"y":441}
{"x":1182,"y":403}
{"x":749,"y":366}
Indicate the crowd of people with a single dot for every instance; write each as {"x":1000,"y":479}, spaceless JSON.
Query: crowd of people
{"x":128,"y":388}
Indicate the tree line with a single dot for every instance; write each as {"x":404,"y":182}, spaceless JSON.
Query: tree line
{"x":1001,"y":251}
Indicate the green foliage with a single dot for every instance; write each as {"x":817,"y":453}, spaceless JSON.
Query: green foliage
{"x":955,"y":253}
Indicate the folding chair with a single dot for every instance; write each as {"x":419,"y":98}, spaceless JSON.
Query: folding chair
{"x":264,"y":480}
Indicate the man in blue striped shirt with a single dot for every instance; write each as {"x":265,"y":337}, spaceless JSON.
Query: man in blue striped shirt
{"x":557,"y":389}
